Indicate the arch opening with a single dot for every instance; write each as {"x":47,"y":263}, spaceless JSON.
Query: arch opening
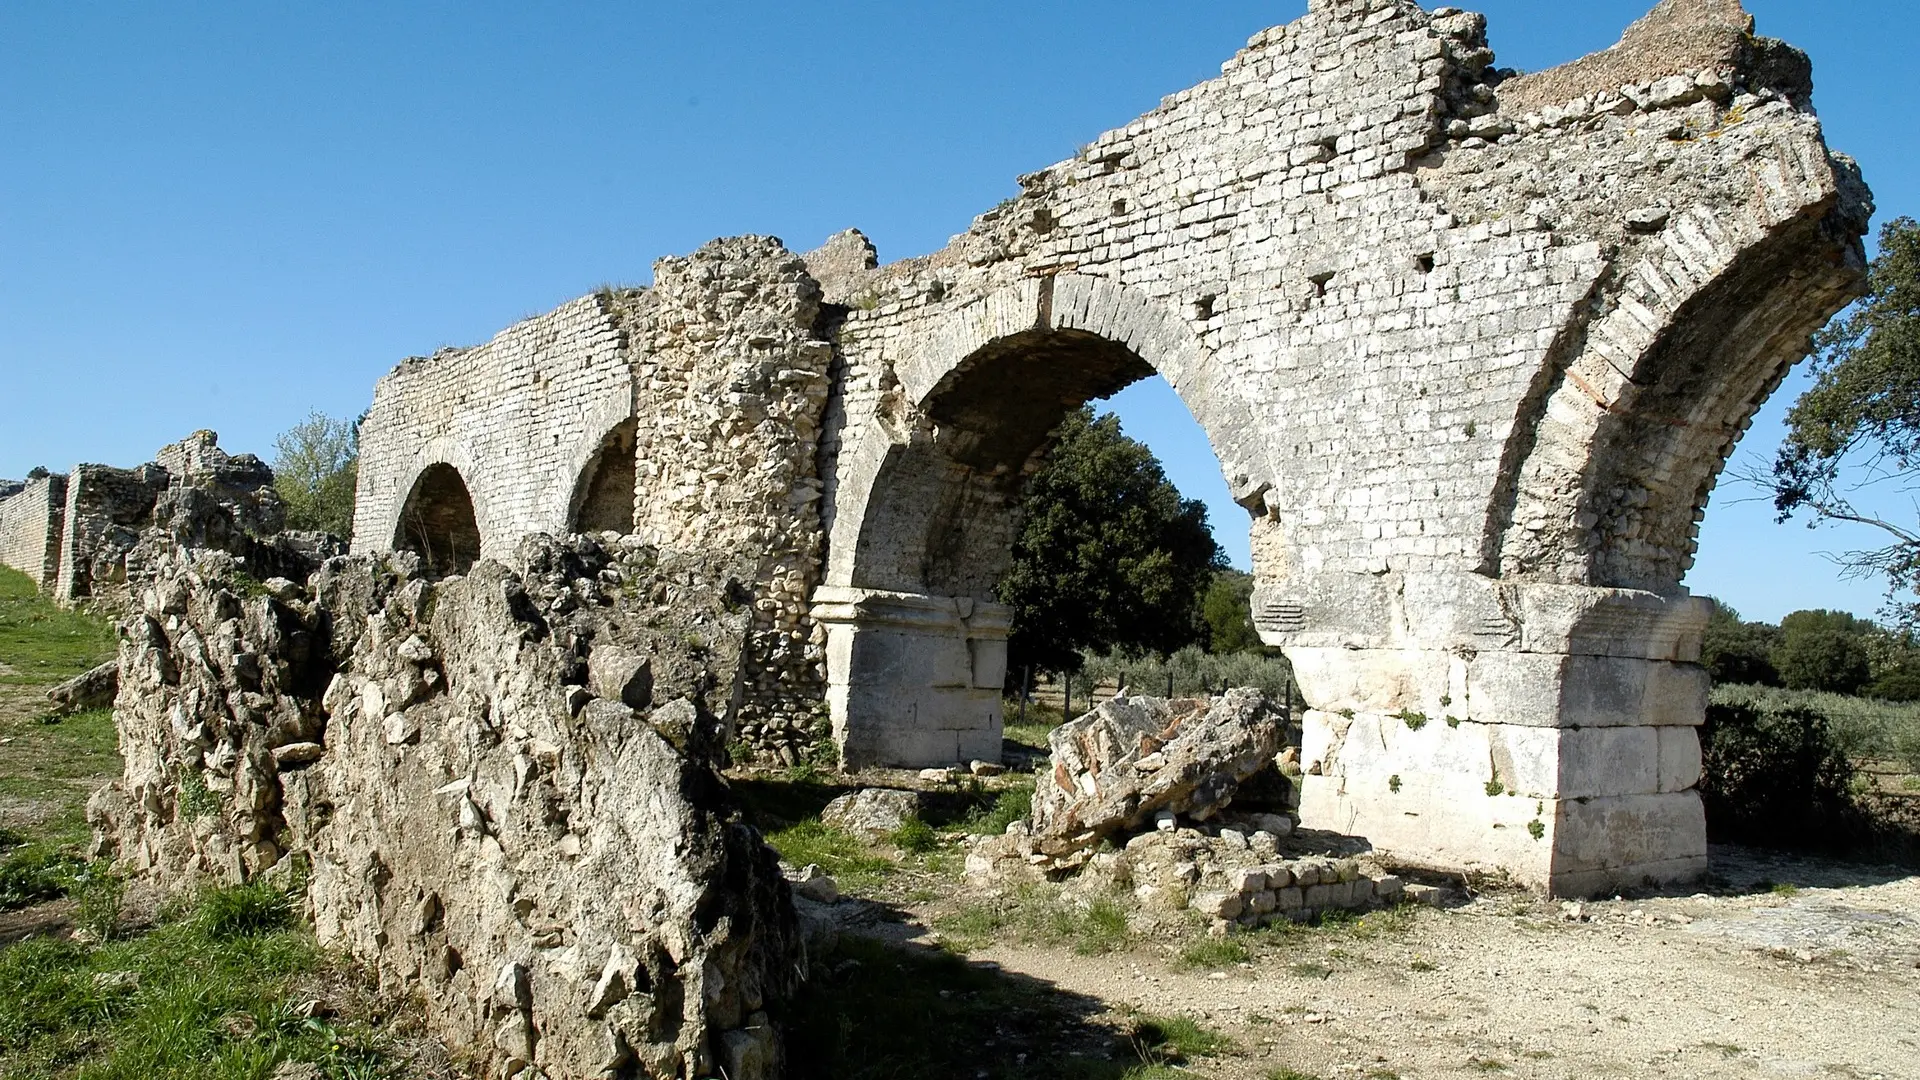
{"x":438,"y":522}
{"x":918,"y":634}
{"x":603,"y":496}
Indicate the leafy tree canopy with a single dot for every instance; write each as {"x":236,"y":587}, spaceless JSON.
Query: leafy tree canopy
{"x":1227,"y":609}
{"x":1864,"y":408}
{"x":316,"y":465}
{"x":1109,"y":556}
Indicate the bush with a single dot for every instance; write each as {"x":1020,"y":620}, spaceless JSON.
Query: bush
{"x":1776,"y":778}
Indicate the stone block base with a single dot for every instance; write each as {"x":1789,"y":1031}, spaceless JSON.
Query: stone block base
{"x":913,"y":680}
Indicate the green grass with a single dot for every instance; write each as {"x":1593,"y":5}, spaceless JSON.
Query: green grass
{"x":1213,"y":953}
{"x":1039,"y":915}
{"x":851,"y":862}
{"x":58,"y":764}
{"x":204,"y":995}
{"x":1176,"y":1040}
{"x":35,"y":872}
{"x":1013,"y":804}
{"x":43,"y":643}
{"x":916,"y":836}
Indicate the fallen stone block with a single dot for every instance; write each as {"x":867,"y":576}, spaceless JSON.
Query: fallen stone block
{"x":875,"y":813}
{"x":1134,"y":760}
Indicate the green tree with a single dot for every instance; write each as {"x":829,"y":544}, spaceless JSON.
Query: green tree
{"x":1109,"y":556}
{"x":1864,"y":410}
{"x":1823,"y":650}
{"x":315,"y":467}
{"x":1736,"y":651}
{"x":1227,"y":609}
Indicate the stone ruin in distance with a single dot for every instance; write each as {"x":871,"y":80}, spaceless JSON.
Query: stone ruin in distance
{"x":1471,"y":347}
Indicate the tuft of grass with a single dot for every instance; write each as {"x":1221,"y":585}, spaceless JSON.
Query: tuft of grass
{"x":1784,"y":888}
{"x":836,"y":851}
{"x":1213,"y":953}
{"x":1011,"y":805}
{"x":1289,"y":1074}
{"x":915,"y":835}
{"x":244,"y":911}
{"x":1175,"y":1040}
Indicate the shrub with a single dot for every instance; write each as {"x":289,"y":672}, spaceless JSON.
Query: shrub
{"x":915,"y":835}
{"x":1776,"y":778}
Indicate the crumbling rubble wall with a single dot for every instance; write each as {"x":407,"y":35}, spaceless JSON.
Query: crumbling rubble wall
{"x":500,"y":786}
{"x":30,"y":528}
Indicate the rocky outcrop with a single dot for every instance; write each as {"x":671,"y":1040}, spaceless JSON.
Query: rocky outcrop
{"x":499,"y":815}
{"x":1132,"y":758}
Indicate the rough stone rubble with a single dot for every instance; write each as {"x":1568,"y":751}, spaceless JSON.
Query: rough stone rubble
{"x":501,"y":786}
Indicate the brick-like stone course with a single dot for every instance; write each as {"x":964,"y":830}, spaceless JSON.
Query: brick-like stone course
{"x":30,"y":528}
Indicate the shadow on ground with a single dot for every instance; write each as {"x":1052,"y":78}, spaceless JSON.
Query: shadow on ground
{"x":881,"y":1006}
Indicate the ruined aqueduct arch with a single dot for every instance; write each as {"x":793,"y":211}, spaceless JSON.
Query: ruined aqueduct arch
{"x":1471,"y":347}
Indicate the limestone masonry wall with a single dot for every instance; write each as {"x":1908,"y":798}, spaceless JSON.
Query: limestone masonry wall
{"x":30,"y":528}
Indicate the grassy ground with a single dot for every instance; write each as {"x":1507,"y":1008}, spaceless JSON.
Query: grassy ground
{"x":882,"y":1007}
{"x":227,"y":988}
{"x":48,"y":767}
{"x":40,"y":643}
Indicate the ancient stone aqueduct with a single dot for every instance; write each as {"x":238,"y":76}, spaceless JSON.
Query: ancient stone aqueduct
{"x":1472,"y":349}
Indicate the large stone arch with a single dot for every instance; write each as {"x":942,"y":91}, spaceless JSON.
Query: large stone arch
{"x":923,"y":515}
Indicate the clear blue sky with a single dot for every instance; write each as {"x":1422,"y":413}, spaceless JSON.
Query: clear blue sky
{"x":224,"y":215}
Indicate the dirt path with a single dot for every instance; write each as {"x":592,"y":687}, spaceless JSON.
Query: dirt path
{"x":1818,"y":980}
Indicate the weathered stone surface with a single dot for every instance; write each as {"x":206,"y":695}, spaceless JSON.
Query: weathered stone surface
{"x":564,"y":891}
{"x":872,"y":812}
{"x":93,"y":689}
{"x":1131,"y":759}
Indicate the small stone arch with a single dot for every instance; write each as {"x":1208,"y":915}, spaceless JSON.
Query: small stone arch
{"x":603,"y":491}
{"x":438,"y":522}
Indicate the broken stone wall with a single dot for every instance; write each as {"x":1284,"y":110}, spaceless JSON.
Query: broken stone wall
{"x":194,"y":491}
{"x":501,"y":785}
{"x":30,"y":528}
{"x":106,"y":510}
{"x":718,"y":376}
